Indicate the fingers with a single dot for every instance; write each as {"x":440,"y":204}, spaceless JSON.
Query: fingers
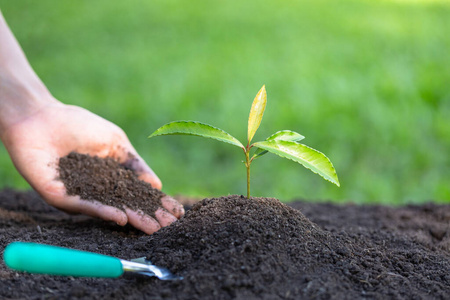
{"x":164,"y":217}
{"x":172,"y":206}
{"x":138,"y":219}
{"x":142,"y":221}
{"x":147,"y":224}
{"x":152,"y":179}
{"x":55,"y":195}
{"x":144,"y":172}
{"x":107,"y":213}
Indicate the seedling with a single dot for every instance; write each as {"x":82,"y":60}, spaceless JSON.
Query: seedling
{"x":283,"y":143}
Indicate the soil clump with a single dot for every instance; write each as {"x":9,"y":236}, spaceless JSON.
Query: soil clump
{"x":107,"y":181}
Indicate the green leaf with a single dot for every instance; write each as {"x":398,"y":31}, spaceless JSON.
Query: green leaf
{"x":308,"y":157}
{"x":286,"y":135}
{"x":283,"y":135}
{"x":256,"y":112}
{"x":197,"y":129}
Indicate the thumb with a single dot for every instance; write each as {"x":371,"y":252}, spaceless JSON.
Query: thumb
{"x":144,"y":172}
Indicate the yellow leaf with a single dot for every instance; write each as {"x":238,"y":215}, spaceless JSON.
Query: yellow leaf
{"x":256,"y":112}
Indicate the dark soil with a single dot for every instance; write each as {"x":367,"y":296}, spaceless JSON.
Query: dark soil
{"x":107,"y":181}
{"x":233,"y":248}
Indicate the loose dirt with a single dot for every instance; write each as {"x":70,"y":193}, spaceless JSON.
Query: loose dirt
{"x":106,"y":181}
{"x":234,"y":248}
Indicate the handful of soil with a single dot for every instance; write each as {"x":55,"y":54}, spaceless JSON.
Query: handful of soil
{"x":107,"y":181}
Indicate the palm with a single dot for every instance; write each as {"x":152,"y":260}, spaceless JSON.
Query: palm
{"x":36,"y":143}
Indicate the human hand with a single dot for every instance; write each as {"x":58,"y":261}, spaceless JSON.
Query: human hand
{"x":36,"y":142}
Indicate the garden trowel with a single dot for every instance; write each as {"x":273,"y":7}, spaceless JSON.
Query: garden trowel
{"x":52,"y":260}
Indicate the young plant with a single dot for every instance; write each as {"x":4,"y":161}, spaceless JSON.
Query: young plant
{"x":283,"y":143}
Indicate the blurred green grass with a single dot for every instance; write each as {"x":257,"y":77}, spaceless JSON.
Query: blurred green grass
{"x":367,"y":83}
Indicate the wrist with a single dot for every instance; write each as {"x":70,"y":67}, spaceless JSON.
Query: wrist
{"x":20,"y":98}
{"x":22,"y":93}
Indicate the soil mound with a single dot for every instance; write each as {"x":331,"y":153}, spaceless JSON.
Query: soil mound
{"x":105,"y":180}
{"x":234,"y":248}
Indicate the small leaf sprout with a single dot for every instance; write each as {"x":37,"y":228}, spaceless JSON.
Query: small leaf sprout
{"x":283,"y":143}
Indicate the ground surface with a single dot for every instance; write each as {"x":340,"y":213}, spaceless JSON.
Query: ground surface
{"x":239,"y":249}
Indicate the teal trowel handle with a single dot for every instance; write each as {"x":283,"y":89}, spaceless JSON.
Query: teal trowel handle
{"x":45,"y":259}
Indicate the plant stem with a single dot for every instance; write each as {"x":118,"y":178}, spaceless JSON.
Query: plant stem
{"x":248,"y":182}
{"x":247,"y":165}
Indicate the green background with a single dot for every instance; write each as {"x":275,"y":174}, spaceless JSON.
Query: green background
{"x":367,"y":83}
